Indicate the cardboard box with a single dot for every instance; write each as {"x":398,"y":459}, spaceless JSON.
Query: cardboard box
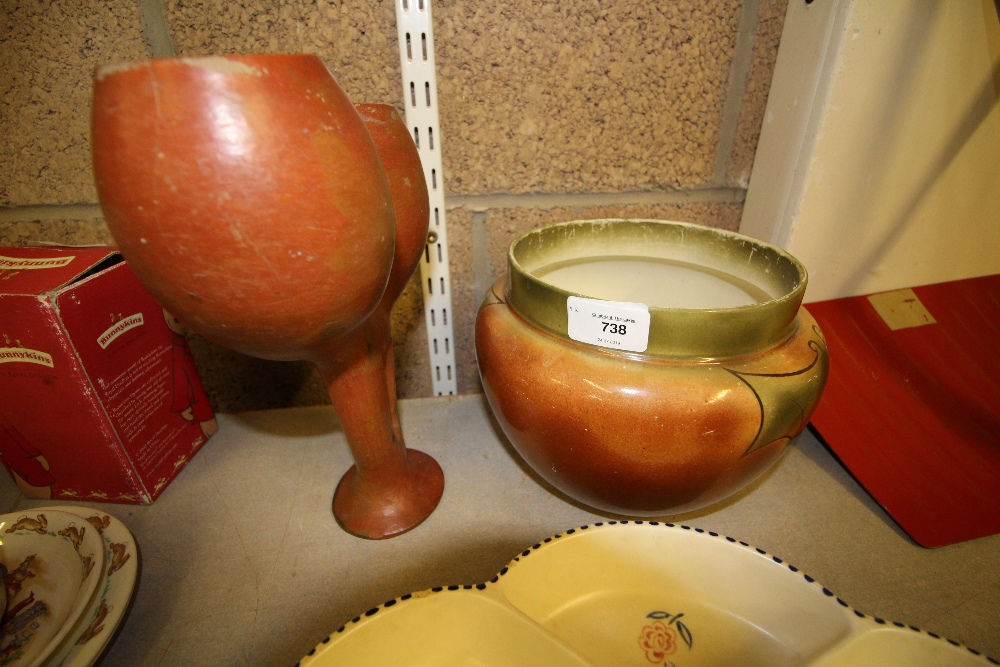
{"x":99,"y":396}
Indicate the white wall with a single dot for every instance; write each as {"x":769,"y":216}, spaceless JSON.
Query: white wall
{"x":879,"y":161}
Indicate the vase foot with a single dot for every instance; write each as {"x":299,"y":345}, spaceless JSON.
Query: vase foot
{"x":380,"y":509}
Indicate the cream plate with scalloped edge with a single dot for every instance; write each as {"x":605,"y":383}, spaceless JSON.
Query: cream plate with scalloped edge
{"x":635,"y":594}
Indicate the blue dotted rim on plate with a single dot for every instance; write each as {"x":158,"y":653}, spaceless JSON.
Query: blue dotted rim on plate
{"x":538,"y":545}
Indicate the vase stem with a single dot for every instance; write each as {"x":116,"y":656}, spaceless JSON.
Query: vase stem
{"x":390,"y":488}
{"x":356,"y":382}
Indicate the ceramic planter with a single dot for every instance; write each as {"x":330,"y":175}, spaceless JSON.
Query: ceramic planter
{"x":653,"y":416}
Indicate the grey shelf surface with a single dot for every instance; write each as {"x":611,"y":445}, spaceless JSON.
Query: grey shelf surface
{"x":242,"y":562}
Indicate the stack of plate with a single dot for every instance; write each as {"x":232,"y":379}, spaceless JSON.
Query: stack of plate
{"x":70,"y":576}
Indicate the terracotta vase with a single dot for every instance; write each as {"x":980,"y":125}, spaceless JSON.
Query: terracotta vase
{"x":248,"y":195}
{"x":730,"y":370}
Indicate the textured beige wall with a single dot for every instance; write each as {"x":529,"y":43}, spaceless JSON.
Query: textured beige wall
{"x":48,"y":50}
{"x":549,"y":111}
{"x":356,"y":40}
{"x":758,"y":82}
{"x":582,"y":96}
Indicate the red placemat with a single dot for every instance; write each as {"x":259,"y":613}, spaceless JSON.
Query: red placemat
{"x":914,"y":413}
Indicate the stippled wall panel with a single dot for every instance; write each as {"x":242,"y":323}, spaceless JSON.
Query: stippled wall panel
{"x":49,"y":51}
{"x":582,"y":96}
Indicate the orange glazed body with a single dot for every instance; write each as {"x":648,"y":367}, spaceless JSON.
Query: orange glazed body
{"x":246,"y":194}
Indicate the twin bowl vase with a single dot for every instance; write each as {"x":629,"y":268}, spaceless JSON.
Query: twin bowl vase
{"x":272,"y":216}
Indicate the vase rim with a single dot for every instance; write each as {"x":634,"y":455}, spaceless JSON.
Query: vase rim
{"x":228,"y":62}
{"x":675,"y":332}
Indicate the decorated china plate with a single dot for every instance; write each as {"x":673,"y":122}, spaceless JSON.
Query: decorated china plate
{"x":635,"y":594}
{"x":88,"y":637}
{"x":54,"y":563}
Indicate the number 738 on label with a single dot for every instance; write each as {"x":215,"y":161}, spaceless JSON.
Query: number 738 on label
{"x":616,"y":325}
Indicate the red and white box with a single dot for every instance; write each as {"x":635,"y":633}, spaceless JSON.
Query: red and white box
{"x":99,"y":396}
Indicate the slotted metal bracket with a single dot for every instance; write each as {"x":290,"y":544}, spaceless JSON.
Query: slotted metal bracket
{"x":416,"y":57}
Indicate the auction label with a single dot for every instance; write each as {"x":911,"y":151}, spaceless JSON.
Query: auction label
{"x":617,"y":325}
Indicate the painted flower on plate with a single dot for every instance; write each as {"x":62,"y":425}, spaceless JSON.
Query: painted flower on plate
{"x":658,"y":640}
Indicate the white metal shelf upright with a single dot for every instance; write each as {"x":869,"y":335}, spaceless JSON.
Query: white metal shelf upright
{"x":416,"y":57}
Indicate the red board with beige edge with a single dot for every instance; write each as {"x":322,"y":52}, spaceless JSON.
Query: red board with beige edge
{"x":912,"y":403}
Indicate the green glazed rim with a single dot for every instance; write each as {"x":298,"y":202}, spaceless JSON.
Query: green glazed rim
{"x":676,"y":333}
